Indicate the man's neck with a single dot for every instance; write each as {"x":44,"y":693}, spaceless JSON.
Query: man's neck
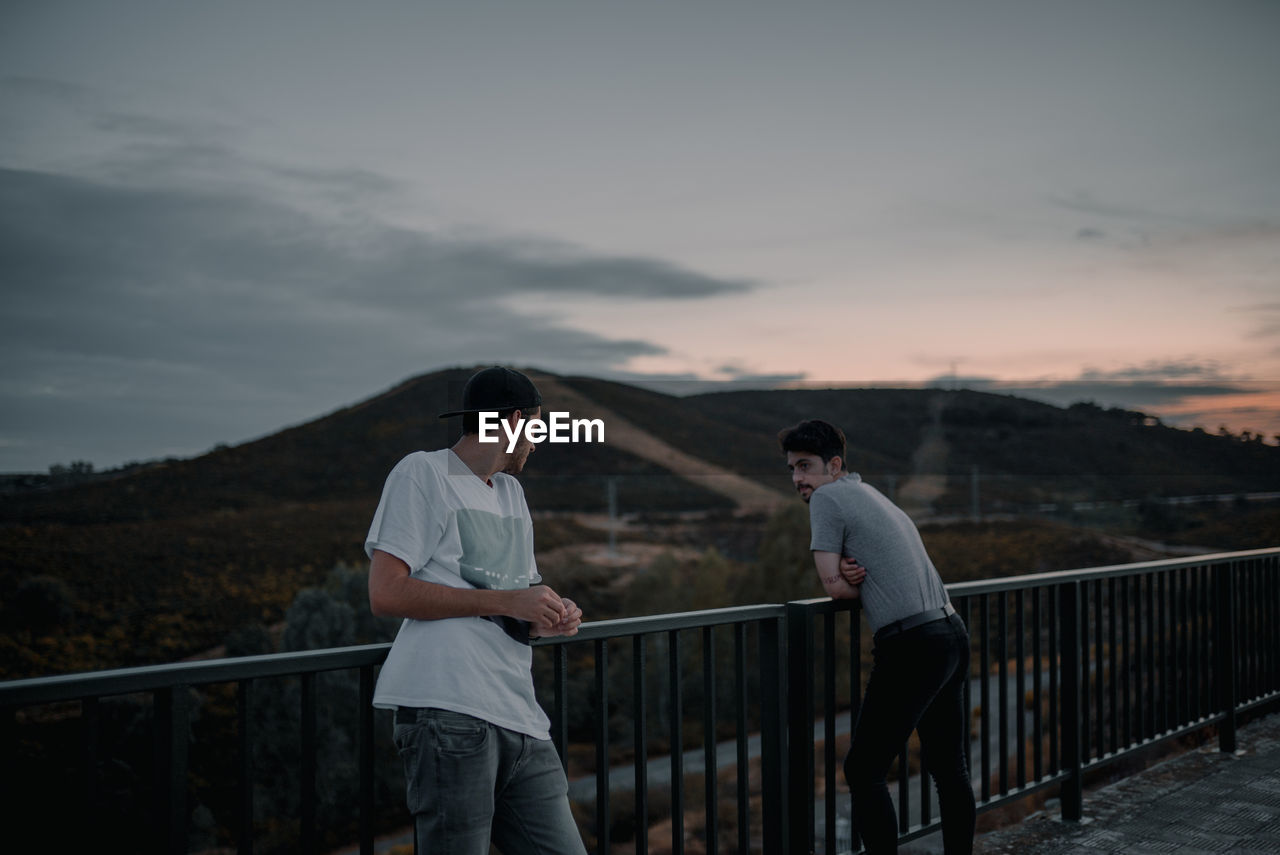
{"x":484,"y":460}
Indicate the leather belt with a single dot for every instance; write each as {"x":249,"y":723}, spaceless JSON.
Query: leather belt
{"x":407,"y":715}
{"x":913,"y":621}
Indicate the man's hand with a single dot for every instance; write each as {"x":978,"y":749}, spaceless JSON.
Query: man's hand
{"x":540,"y":606}
{"x":567,"y":625}
{"x":851,"y":571}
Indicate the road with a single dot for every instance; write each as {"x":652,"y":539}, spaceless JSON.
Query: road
{"x":658,"y":769}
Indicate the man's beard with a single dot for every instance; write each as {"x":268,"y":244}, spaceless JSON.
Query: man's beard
{"x":516,"y":464}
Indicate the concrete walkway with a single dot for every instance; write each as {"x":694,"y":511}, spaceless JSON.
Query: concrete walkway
{"x":1200,"y":801}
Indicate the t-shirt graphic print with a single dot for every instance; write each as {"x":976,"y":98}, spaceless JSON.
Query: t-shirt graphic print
{"x":496,"y":554}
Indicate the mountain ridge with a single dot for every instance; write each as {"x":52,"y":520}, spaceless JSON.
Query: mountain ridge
{"x":1025,"y":450}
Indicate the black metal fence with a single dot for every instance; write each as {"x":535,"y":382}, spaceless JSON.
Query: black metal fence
{"x":744,"y":709}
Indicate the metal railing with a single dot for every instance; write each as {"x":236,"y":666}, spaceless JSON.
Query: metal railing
{"x":1070,"y":672}
{"x":1089,"y":667}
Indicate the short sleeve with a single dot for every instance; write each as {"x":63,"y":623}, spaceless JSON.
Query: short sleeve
{"x":411,"y":516}
{"x":826,"y":524}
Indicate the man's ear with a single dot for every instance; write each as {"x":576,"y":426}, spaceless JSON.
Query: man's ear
{"x":835,"y":465}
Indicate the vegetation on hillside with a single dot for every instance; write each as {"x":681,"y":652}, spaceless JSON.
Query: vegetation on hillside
{"x":158,"y":562}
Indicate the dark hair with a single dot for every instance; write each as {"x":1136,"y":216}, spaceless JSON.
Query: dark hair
{"x":813,"y":437}
{"x":471,"y":421}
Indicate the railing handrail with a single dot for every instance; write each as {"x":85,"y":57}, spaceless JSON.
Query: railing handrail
{"x":1085,"y":574}
{"x":121,"y":681}
{"x":645,"y":624}
{"x":146,"y":678}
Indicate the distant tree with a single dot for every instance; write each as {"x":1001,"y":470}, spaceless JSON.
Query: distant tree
{"x":250,"y":640}
{"x":42,"y":605}
{"x":317,"y":620}
{"x":784,"y":569}
{"x":350,"y":585}
{"x":76,"y":472}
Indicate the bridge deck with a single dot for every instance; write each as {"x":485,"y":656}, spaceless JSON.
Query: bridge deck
{"x":1200,"y":801}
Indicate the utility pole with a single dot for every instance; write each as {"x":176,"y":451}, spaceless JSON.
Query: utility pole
{"x":976,"y":510}
{"x":612,"y":489}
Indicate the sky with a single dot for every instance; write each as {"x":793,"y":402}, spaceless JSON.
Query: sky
{"x":221,"y":219}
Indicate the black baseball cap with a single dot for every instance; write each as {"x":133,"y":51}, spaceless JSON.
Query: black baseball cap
{"x":497,"y":389}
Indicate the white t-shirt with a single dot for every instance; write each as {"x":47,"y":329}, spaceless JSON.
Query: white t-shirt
{"x":453,"y":529}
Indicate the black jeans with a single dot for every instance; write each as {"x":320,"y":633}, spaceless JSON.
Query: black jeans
{"x":917,"y":683}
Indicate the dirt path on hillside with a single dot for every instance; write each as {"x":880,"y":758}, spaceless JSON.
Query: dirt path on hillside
{"x":928,"y":479}
{"x":625,"y":436}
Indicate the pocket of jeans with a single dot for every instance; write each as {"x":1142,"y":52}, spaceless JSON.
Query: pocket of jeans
{"x":459,"y":735}
{"x":406,"y":736}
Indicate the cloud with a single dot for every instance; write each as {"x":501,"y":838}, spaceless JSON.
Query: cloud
{"x":1159,"y":371}
{"x":45,"y":89}
{"x":1267,"y":317}
{"x":1186,"y":393}
{"x":172,"y":318}
{"x":165,"y":293}
{"x":1085,"y":203}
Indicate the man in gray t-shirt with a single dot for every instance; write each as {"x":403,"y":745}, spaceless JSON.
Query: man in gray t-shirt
{"x":866,"y":548}
{"x":850,"y":517}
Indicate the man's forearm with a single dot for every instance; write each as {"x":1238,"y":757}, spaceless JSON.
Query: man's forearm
{"x":837,"y":588}
{"x":393,"y":592}
{"x":828,"y":566}
{"x":421,"y":600}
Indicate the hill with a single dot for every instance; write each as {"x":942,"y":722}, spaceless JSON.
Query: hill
{"x":161,"y":561}
{"x":1026,"y":452}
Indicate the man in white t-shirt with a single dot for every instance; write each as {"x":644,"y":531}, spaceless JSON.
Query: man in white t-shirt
{"x":451,"y":550}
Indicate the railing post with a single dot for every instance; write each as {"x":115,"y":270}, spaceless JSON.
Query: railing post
{"x":602,"y":746}
{"x":9,"y":756}
{"x":244,"y":718}
{"x":309,"y":728}
{"x":170,"y":710}
{"x":367,"y":743}
{"x":89,"y":743}
{"x":800,"y":715}
{"x":773,"y":745}
{"x":709,"y":755}
{"x":1073,"y":787}
{"x":1225,"y":643}
{"x":560,"y":723}
{"x":640,"y":740}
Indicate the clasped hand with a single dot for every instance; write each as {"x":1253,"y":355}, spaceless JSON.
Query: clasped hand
{"x":546,"y":611}
{"x":851,"y":571}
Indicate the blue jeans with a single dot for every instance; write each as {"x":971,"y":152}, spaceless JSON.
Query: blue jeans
{"x":470,"y":782}
{"x":916,"y":683}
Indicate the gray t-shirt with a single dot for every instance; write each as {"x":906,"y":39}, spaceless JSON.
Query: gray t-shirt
{"x":854,"y":519}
